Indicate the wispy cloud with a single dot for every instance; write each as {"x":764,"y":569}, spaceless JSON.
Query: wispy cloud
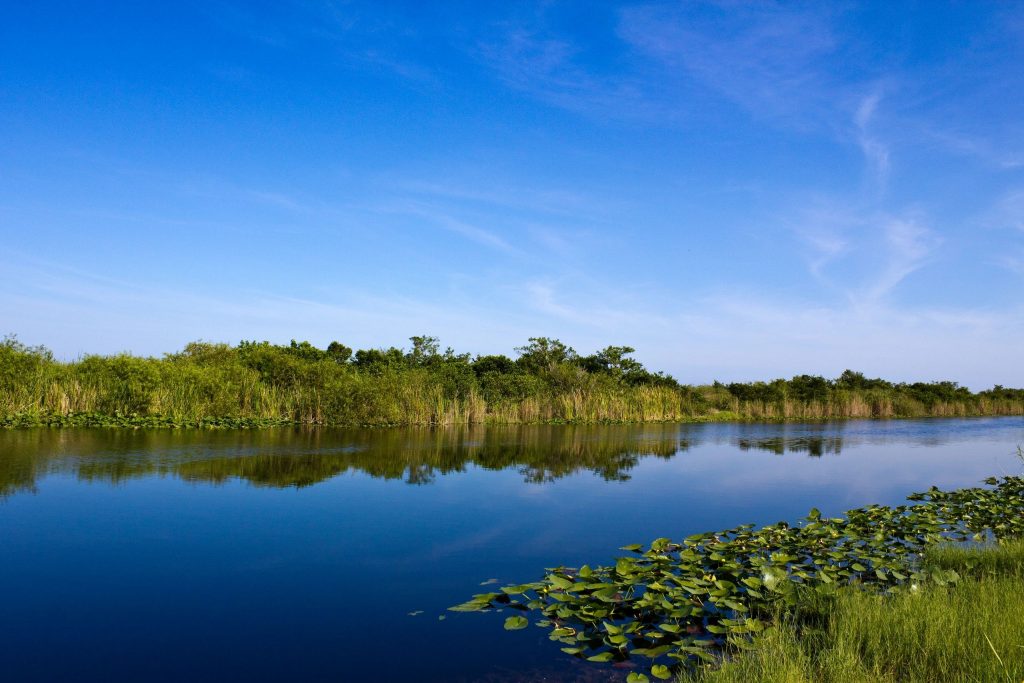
{"x":862,"y":252}
{"x":1006,"y":155}
{"x":589,"y":307}
{"x":475,"y":233}
{"x":875,"y":152}
{"x":1008,"y":212}
{"x":823,"y":228}
{"x":502,"y":192}
{"x":1013,"y":262}
{"x":455,"y":225}
{"x":532,"y":59}
{"x":346,"y":34}
{"x":764,"y":56}
{"x":907,"y":246}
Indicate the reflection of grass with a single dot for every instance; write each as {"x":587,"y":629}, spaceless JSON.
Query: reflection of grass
{"x":973,"y":631}
{"x":301,"y":457}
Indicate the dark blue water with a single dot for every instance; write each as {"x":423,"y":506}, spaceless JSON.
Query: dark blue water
{"x":329,"y":555}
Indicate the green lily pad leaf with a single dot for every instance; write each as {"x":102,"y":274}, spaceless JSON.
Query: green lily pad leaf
{"x":602,"y":657}
{"x":560,"y":581}
{"x":516,"y":623}
{"x":660,"y":671}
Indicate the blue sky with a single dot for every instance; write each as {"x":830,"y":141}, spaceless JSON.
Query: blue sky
{"x":739,"y":190}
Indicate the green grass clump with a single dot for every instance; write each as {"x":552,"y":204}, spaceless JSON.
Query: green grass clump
{"x":1005,"y":559}
{"x":970,"y":631}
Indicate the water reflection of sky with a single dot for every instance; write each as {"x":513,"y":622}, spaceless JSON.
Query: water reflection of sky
{"x":279,"y":555}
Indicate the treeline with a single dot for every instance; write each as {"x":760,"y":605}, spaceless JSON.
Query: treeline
{"x":259,"y":383}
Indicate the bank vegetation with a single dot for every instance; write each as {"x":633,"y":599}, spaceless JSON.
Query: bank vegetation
{"x":260,"y":384}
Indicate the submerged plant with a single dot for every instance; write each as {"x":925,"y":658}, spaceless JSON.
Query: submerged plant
{"x":679,"y":604}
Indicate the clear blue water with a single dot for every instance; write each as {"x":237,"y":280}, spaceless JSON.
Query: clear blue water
{"x":299,"y":555}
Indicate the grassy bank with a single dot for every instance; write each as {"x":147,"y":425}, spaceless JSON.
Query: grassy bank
{"x":262,"y":384}
{"x":970,"y":631}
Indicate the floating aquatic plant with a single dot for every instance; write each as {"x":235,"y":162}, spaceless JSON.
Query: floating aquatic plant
{"x":679,"y":604}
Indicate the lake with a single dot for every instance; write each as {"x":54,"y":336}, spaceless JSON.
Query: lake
{"x":329,"y":555}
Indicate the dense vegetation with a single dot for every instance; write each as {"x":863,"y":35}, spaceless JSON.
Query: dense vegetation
{"x":261,"y":384}
{"x":841,"y":598}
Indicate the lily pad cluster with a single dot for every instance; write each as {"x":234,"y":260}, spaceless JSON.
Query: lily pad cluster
{"x":680,"y":604}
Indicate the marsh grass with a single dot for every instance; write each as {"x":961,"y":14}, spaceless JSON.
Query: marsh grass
{"x":261,"y":383}
{"x":969,"y":631}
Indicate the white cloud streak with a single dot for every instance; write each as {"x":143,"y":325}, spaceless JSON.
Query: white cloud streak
{"x":763,"y":56}
{"x":908,"y":244}
{"x":875,"y":152}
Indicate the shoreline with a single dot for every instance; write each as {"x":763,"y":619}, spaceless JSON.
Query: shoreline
{"x":99,"y":421}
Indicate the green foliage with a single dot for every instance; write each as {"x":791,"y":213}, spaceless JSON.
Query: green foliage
{"x":512,"y":387}
{"x":501,"y":365}
{"x":20,"y":364}
{"x":854,"y":395}
{"x":263,"y":383}
{"x":856,"y":381}
{"x":694,"y":601}
{"x":130,"y":381}
{"x":338,"y":352}
{"x":424,"y":350}
{"x":544,"y":354}
{"x":378,"y":360}
{"x":1001,"y":393}
{"x":613,"y":361}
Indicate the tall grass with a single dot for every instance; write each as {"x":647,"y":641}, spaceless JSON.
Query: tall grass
{"x":547,"y":383}
{"x":972,"y":631}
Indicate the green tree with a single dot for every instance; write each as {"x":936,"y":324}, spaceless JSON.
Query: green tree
{"x":424,"y":350}
{"x":339,"y":352}
{"x":543,"y":354}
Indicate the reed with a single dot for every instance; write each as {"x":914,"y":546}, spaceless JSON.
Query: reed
{"x":971,"y":631}
{"x":259,"y":383}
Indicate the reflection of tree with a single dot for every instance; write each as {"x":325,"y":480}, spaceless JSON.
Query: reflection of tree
{"x":18,"y":472}
{"x":814,"y":446}
{"x":297,"y":458}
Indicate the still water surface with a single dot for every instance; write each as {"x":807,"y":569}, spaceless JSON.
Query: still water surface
{"x":328,"y":555}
